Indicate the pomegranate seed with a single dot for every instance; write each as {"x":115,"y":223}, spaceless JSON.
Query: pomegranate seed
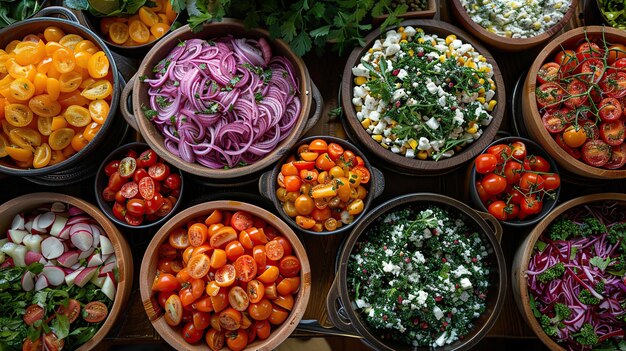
{"x":395,"y":72}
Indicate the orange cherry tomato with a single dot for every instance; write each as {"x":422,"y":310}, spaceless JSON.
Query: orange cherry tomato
{"x":284,"y":301}
{"x":159,"y":30}
{"x":53,"y":33}
{"x":197,"y":234}
{"x":261,"y":310}
{"x":42,"y":156}
{"x":223,"y":236}
{"x":139,"y":32}
{"x":292,"y":183}
{"x":215,"y":339}
{"x":178,"y":239}
{"x":255,"y":290}
{"x":220,"y":300}
{"x":245,"y":268}
{"x":260,"y":256}
{"x":288,"y":286}
{"x":98,"y":65}
{"x":44,"y":105}
{"x":91,"y":131}
{"x":238,"y":298}
{"x":173,"y":310}
{"x":225,"y":275}
{"x":274,"y":250}
{"x":230,"y":319}
{"x":269,"y":275}
{"x":278,"y":315}
{"x":237,"y":340}
{"x":204,"y":305}
{"x":199,"y":266}
{"x":324,"y":162}
{"x":63,"y":60}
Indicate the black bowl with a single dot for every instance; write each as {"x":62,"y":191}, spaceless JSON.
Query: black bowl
{"x":548,"y":203}
{"x":102,"y":180}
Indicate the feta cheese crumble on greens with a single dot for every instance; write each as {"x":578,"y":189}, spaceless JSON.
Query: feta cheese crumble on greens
{"x":421,"y":276}
{"x":422,"y":96}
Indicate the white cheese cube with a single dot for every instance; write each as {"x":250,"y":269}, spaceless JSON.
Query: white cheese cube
{"x":374,"y":116}
{"x":432,"y":123}
{"x":410,"y":153}
{"x":431,"y":87}
{"x":466,"y":283}
{"x":392,"y":49}
{"x":357,"y":101}
{"x":360,"y":71}
{"x":402,"y":74}
{"x":370,"y":102}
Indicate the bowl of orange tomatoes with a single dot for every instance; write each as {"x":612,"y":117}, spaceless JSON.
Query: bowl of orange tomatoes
{"x":225,"y":274}
{"x":324,"y":185}
{"x":58,"y":94}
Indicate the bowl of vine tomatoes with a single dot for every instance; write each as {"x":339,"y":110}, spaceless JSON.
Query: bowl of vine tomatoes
{"x":515,"y":180}
{"x":225,"y":275}
{"x":576,"y":102}
{"x":137,"y":189}
{"x":322,"y":186}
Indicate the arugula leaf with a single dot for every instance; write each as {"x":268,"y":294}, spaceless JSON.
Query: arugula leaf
{"x":600,"y":262}
{"x":301,"y":44}
{"x":533,"y":306}
{"x":61,"y":326}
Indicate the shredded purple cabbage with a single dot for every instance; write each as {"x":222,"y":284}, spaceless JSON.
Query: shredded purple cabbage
{"x":225,"y":103}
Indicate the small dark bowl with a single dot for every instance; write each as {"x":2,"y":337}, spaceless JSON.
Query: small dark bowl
{"x":532,"y":149}
{"x":102,"y":180}
{"x":375,"y":187}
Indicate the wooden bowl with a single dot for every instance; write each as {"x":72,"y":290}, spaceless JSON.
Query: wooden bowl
{"x":548,"y":204}
{"x":429,"y":12}
{"x":532,"y":117}
{"x":504,"y":43}
{"x":375,"y":187}
{"x":405,"y":164}
{"x":138,"y":91}
{"x":524,"y":252}
{"x":341,"y":307}
{"x":122,"y":251}
{"x":69,"y":26}
{"x":102,"y":181}
{"x":149,"y":268}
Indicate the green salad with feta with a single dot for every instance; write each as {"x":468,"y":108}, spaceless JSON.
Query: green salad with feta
{"x":421,"y":276}
{"x":516,"y":18}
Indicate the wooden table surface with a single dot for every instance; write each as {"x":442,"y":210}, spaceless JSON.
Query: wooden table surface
{"x":133,"y":328}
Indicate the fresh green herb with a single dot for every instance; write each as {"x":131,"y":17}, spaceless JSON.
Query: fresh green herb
{"x":614,"y":12}
{"x":600,"y":262}
{"x":149,"y":113}
{"x":554,"y":272}
{"x":12,"y":11}
{"x":106,"y":8}
{"x":162,"y":101}
{"x":142,"y":78}
{"x":258,"y":97}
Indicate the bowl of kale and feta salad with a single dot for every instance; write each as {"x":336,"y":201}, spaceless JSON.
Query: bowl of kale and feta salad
{"x":423,"y":271}
{"x":513,"y":25}
{"x":568,"y":275}
{"x":423,"y":97}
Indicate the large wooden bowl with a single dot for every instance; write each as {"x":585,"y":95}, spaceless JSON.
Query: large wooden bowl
{"x":504,"y":43}
{"x":122,"y":251}
{"x":410,"y":165}
{"x":521,"y":260}
{"x":149,"y":268}
{"x":138,"y":91}
{"x":532,"y":117}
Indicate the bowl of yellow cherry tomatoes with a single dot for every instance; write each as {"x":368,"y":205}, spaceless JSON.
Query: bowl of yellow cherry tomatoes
{"x":137,"y":33}
{"x":324,"y":185}
{"x":57,"y":90}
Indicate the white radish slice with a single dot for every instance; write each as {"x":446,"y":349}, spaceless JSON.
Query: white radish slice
{"x":16,"y":235}
{"x":42,"y":282}
{"x":104,"y":257}
{"x":108,"y":288}
{"x":111,"y":259}
{"x":33,"y":242}
{"x":8,"y":248}
{"x":45,"y":220}
{"x":106,"y":246}
{"x":98,"y":281}
{"x":68,"y":259}
{"x":32,"y":257}
{"x":65,"y":233}
{"x":28,"y":281}
{"x":18,"y":222}
{"x":57,"y":207}
{"x":19,"y":256}
{"x":69,"y":279}
{"x":79,"y":219}
{"x":52,"y":248}
{"x":83,"y":240}
{"x":55,"y":275}
{"x":74,"y":211}
{"x":76,"y":266}
{"x":94,"y":260}
{"x":96,"y":232}
{"x":58,"y":225}
{"x":86,"y":254}
{"x":85,"y":276}
{"x":109,"y":267}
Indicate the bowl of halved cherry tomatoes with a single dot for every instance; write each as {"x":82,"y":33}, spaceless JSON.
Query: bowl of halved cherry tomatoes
{"x":324,"y":185}
{"x":576,"y":102}
{"x":136,"y":188}
{"x":515,"y":180}
{"x":225,"y":274}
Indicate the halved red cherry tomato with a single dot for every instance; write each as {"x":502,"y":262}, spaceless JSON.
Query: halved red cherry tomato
{"x":612,"y":132}
{"x":596,"y":153}
{"x":577,"y":94}
{"x":159,"y":171}
{"x":549,"y":95}
{"x":618,"y":157}
{"x":610,"y":109}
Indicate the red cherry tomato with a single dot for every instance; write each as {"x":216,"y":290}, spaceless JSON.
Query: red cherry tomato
{"x":549,"y":95}
{"x":610,"y":109}
{"x":111,"y":167}
{"x":596,"y":153}
{"x":551,"y":181}
{"x":538,"y":163}
{"x":173,"y":181}
{"x":148,"y":158}
{"x":612,"y":132}
{"x":512,"y":171}
{"x":530,"y":182}
{"x":159,"y":171}
{"x":549,"y":72}
{"x":500,"y":151}
{"x":486,"y":163}
{"x":494,"y":184}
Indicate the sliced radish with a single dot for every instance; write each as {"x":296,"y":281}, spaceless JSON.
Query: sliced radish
{"x":45,"y":220}
{"x":28,"y":226}
{"x":74,"y":211}
{"x":68,"y":259}
{"x":8,"y":263}
{"x":28,"y":281}
{"x":86,"y":254}
{"x":106,"y":246}
{"x":85,"y":276}
{"x":32,"y":257}
{"x":19,"y":256}
{"x":98,"y":281}
{"x":76,"y":266}
{"x":111,"y":259}
{"x":16,"y":235}
{"x":18,"y":222}
{"x":33,"y":242}
{"x":96,"y":232}
{"x":104,"y":257}
{"x":109,"y":267}
{"x":108,"y":288}
{"x":94,"y":260}
{"x":52,"y":248}
{"x":58,"y":225}
{"x":65,"y":232}
{"x":55,"y":275}
{"x":42,"y":282}
{"x":70,"y":278}
{"x":79,"y":219}
{"x":8,"y":248}
{"x":83,"y":240}
{"x":57,"y":207}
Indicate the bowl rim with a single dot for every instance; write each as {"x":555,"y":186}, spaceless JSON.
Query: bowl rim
{"x":530,"y":84}
{"x":105,"y":207}
{"x":120,"y":245}
{"x":544,"y":154}
{"x":403,"y":200}
{"x":115,"y":96}
{"x":146,"y":128}
{"x":525,"y":250}
{"x":416,"y":165}
{"x":345,"y":144}
{"x":148,"y":269}
{"x":515,"y":43}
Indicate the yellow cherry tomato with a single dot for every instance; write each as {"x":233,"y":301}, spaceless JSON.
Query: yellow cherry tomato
{"x":118,"y":32}
{"x":18,"y":115}
{"x":22,"y":89}
{"x":61,"y":138}
{"x":98,"y":65}
{"x":77,"y":116}
{"x":139,"y":32}
{"x":99,"y":110}
{"x":70,"y":81}
{"x":44,"y":105}
{"x":70,"y":40}
{"x":63,"y":60}
{"x":98,"y":90}
{"x":53,"y":33}
{"x":42,"y":156}
{"x":147,"y":16}
{"x":159,"y":30}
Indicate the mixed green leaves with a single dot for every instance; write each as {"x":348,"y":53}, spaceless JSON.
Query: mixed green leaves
{"x":12,"y":11}
{"x":107,"y":8}
{"x":614,"y":12}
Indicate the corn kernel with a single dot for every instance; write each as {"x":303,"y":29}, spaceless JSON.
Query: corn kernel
{"x":384,"y":145}
{"x":491,"y":105}
{"x":422,"y":155}
{"x":536,"y":26}
{"x":460,"y":59}
{"x":442,"y":58}
{"x":485,"y":69}
{"x":403,"y":41}
{"x":508,"y":34}
{"x":481,"y":81}
{"x":393,"y":124}
{"x":433,"y":42}
{"x":366,"y":123}
{"x":401,"y":30}
{"x":421,"y":40}
{"x":377,"y":137}
{"x":419,"y":30}
{"x":480,"y":99}
{"x":360,"y":80}
{"x":470,"y":64}
{"x":403,"y":36}
{"x":482,"y":58}
{"x":491,"y":29}
{"x":370,"y":51}
{"x":558,"y":5}
{"x":411,"y":52}
{"x":450,"y":38}
{"x":413,"y":143}
{"x":472,"y":130}
{"x":481,"y":91}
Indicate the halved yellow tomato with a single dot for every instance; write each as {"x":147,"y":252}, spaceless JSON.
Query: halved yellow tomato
{"x":53,"y":33}
{"x":44,"y":105}
{"x":79,"y":142}
{"x":61,"y":138}
{"x":86,"y":46}
{"x":70,"y":40}
{"x":18,"y":115}
{"x":19,"y":154}
{"x":22,"y":89}
{"x":99,"y":110}
{"x":98,"y":65}
{"x":100,"y":89}
{"x":91,"y":130}
{"x":3,"y":144}
{"x":28,"y":52}
{"x":70,"y":81}
{"x":44,"y":125}
{"x":63,"y":60}
{"x":77,"y":116}
{"x":42,"y":156}
{"x":25,"y":138}
{"x":118,"y":32}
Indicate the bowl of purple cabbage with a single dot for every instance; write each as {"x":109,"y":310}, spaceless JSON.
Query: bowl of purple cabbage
{"x":222,"y":103}
{"x":568,"y":275}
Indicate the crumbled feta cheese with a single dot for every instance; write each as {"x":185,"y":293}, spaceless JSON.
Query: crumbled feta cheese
{"x":360,"y":71}
{"x":432,"y":123}
{"x":466,"y":283}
